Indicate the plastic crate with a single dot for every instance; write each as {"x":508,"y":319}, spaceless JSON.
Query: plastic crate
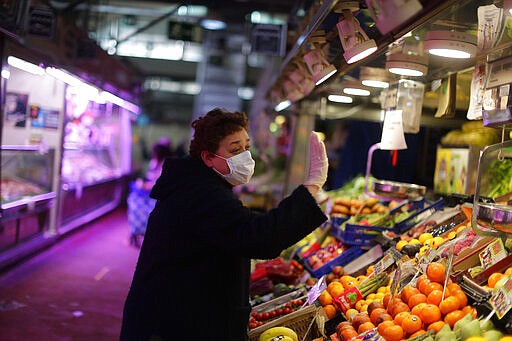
{"x":356,"y":239}
{"x":346,"y":257}
{"x":400,"y":226}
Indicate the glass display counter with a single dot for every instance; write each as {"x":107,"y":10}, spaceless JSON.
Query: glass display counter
{"x":91,"y":185}
{"x":26,"y":192}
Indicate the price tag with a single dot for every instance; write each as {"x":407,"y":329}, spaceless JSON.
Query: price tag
{"x":448,"y":270}
{"x":501,"y":301}
{"x":426,"y":259}
{"x":348,"y":299}
{"x":493,"y":253}
{"x":316,"y":290}
{"x":386,"y":261}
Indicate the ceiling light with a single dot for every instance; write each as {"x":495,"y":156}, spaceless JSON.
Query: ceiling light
{"x":355,"y":88}
{"x":301,"y":77}
{"x":374,"y":77}
{"x":340,"y":99}
{"x":293,"y":93}
{"x":318,"y":66}
{"x":451,"y":44}
{"x":213,"y":21}
{"x":393,"y":137}
{"x":25,"y":66}
{"x":356,"y":43}
{"x":407,"y":64}
{"x":282,"y":105}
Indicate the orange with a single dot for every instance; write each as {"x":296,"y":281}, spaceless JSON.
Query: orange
{"x":348,"y":334}
{"x":364,"y":327}
{"x":433,"y":286}
{"x":453,"y":317}
{"x":418,"y":333}
{"x":436,"y":326}
{"x":411,"y":324}
{"x":470,"y":310}
{"x":417,"y":309}
{"x":422,"y":286}
{"x":453,"y":287}
{"x":330,"y":311}
{"x":384,"y":325}
{"x":400,"y":317}
{"x":494,"y":278}
{"x":461,"y":296}
{"x":325,"y":298}
{"x":435,"y":272}
{"x":420,"y":280}
{"x":435,"y":297}
{"x":393,"y":333}
{"x":398,"y":308}
{"x":417,"y":299}
{"x":348,"y":281}
{"x":430,"y":313}
{"x":408,"y":291}
{"x":376,"y":313}
{"x":385,"y":299}
{"x":449,"y":304}
{"x":335,"y":289}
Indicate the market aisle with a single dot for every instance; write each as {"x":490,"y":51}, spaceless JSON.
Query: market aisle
{"x":73,"y":291}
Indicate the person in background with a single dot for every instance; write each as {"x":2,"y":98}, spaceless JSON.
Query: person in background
{"x":159,"y":152}
{"x":193,"y":273}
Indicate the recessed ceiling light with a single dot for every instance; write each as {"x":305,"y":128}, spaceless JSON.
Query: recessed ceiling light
{"x":356,"y":43}
{"x":374,"y":77}
{"x":340,"y":99}
{"x":451,"y":44}
{"x":407,"y":64}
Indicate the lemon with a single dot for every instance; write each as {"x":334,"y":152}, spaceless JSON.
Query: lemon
{"x":401,"y":244}
{"x":506,"y":338}
{"x":452,"y":235}
{"x":370,"y":297}
{"x":424,"y":237}
{"x":476,"y":338}
{"x":437,"y":241}
{"x":414,"y":241}
{"x":379,"y":296}
{"x":351,"y":313}
{"x":381,"y":290}
{"x":364,"y":308}
{"x":359,"y":304}
{"x":424,"y":249}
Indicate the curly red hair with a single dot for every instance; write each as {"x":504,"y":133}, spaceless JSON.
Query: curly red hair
{"x":210,"y":129}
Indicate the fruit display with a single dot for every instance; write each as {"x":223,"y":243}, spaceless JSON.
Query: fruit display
{"x":433,"y":278}
{"x":279,"y":333}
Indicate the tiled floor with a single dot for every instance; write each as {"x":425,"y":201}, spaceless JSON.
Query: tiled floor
{"x":73,"y":291}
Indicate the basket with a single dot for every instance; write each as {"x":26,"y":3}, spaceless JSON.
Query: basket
{"x":300,"y":321}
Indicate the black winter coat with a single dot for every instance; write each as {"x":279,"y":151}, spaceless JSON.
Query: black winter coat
{"x":193,"y":273}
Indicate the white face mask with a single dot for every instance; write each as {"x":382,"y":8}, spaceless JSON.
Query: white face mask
{"x":241,"y":168}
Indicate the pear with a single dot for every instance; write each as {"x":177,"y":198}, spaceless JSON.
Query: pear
{"x":487,"y":326}
{"x":492,"y":335}
{"x":448,"y":336}
{"x":462,"y":322}
{"x":469,"y":329}
{"x":444,"y":331}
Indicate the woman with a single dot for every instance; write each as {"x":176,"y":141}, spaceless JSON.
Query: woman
{"x":192,"y":276}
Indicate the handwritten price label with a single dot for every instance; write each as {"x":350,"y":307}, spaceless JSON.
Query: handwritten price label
{"x":501,"y":301}
{"x":316,"y":290}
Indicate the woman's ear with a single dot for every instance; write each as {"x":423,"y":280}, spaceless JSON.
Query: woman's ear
{"x":207,"y":158}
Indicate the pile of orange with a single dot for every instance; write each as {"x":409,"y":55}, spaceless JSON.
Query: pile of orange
{"x":423,"y":308}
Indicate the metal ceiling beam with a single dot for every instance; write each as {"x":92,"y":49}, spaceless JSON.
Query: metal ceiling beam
{"x":149,"y":25}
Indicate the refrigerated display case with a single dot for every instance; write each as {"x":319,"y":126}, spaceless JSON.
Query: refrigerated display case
{"x":26,"y":191}
{"x":95,"y":159}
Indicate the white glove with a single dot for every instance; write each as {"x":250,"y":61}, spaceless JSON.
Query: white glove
{"x":318,"y":163}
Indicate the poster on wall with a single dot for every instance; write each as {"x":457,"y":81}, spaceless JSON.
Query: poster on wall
{"x":451,"y":170}
{"x":44,"y":118}
{"x":15,"y":109}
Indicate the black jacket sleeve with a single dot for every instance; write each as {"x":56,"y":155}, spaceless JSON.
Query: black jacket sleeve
{"x":227,"y":225}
